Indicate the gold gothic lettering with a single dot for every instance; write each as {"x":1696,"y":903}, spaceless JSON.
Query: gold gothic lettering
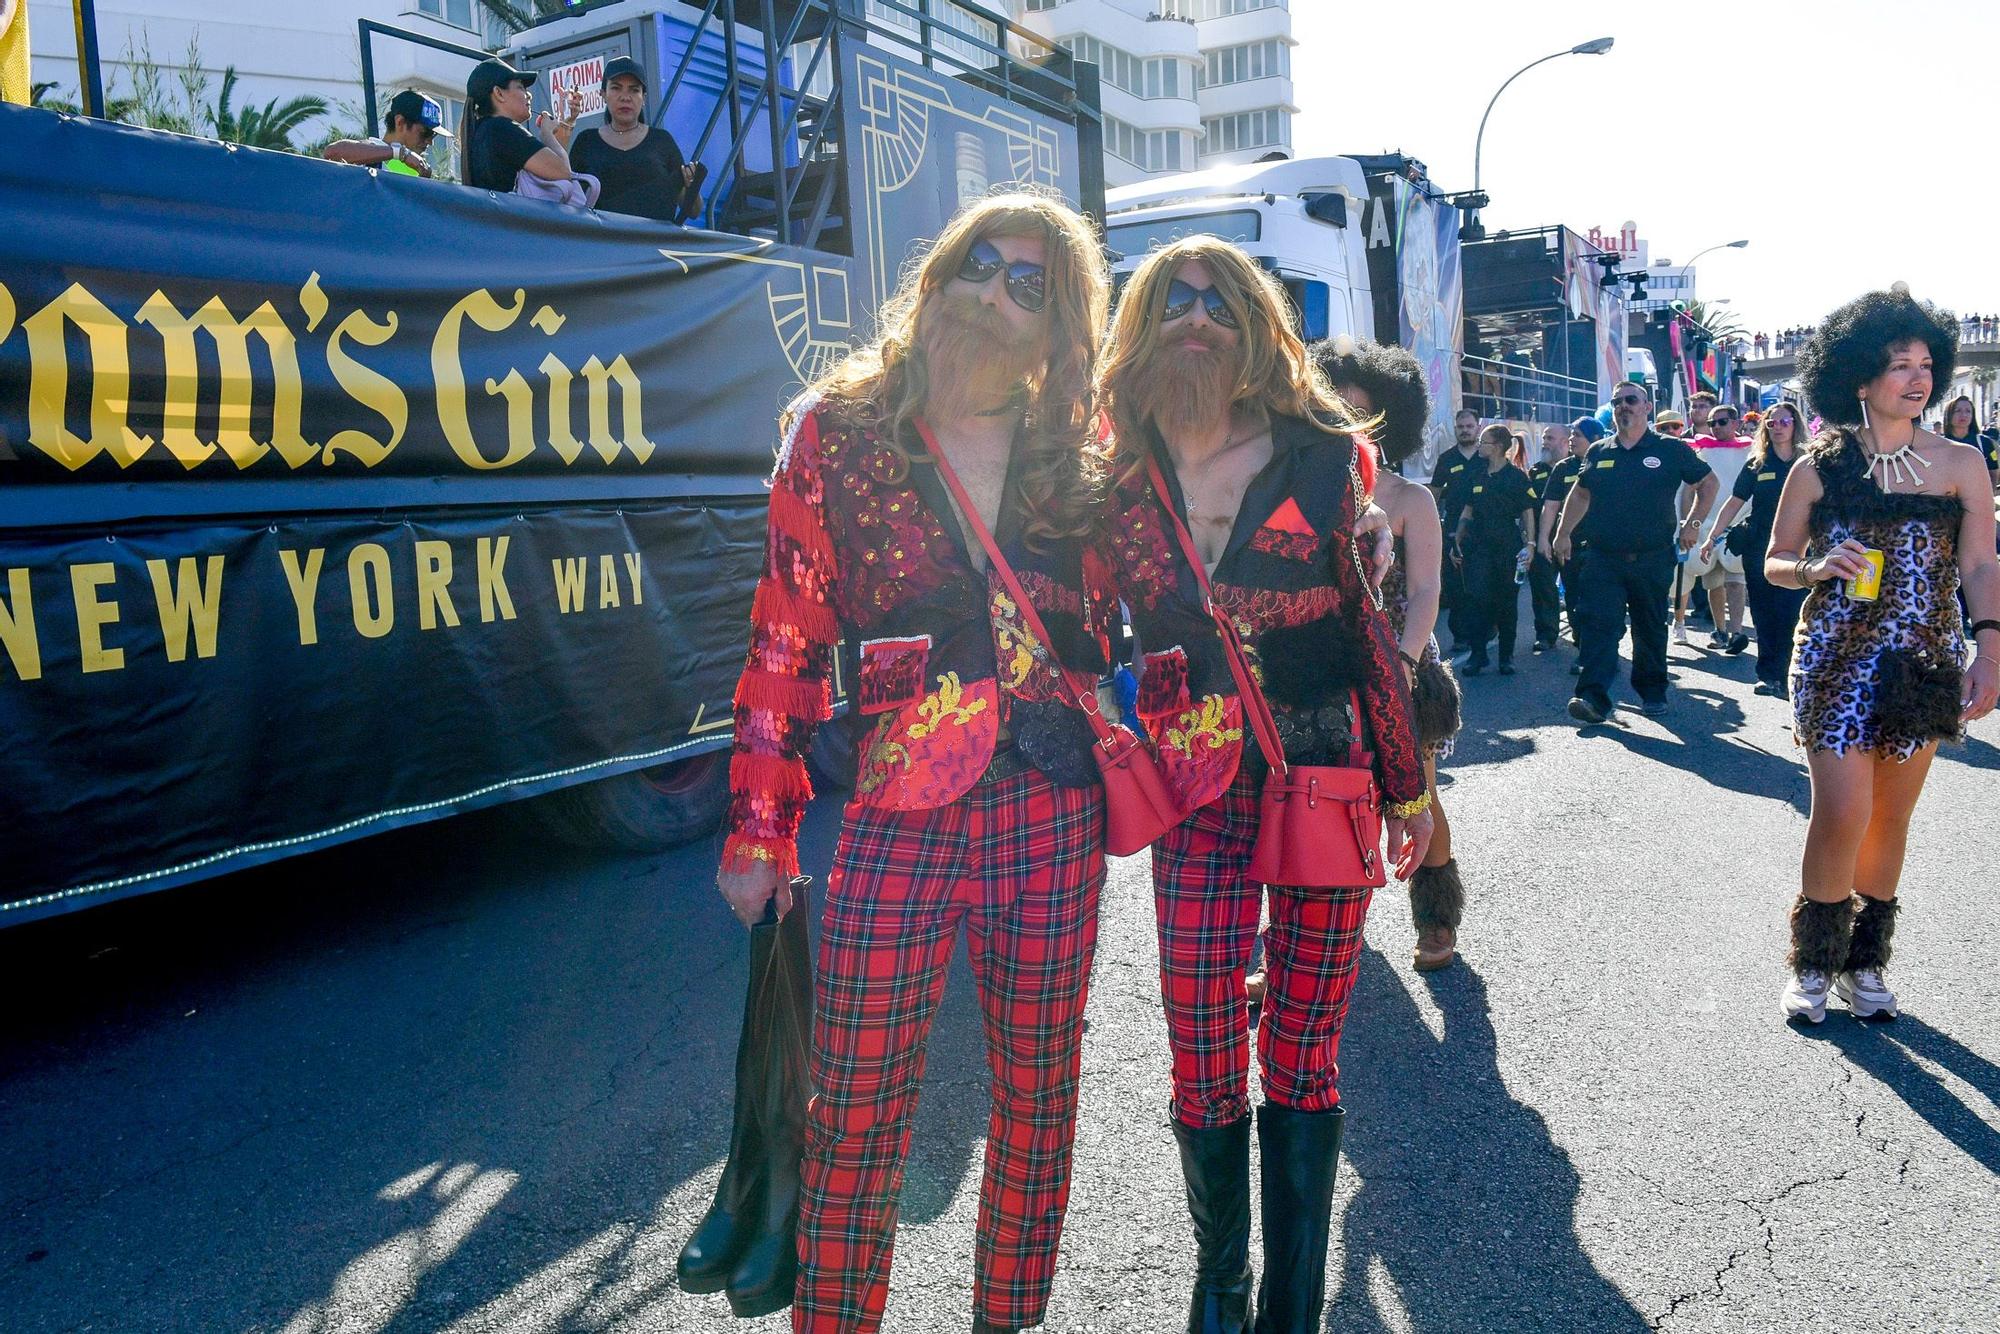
{"x":110,"y":383}
{"x":231,"y":337}
{"x":448,"y":373}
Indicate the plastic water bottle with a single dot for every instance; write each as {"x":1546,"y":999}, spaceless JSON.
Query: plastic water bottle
{"x":1521,"y":565}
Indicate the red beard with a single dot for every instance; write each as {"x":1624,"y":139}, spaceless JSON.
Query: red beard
{"x":974,"y":357}
{"x":1182,"y":388}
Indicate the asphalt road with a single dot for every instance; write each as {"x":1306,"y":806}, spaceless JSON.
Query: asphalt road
{"x":453,"y":1079}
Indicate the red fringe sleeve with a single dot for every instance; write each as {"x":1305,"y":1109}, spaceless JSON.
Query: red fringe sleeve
{"x":784,"y":692}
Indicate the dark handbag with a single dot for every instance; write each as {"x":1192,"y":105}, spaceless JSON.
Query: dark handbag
{"x":1139,"y":804}
{"x":1736,"y":540}
{"x":1319,"y":826}
{"x":747,"y":1242}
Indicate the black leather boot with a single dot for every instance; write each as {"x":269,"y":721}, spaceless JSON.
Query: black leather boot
{"x":1301,"y":1151}
{"x":1216,"y":1163}
{"x":719,"y":1239}
{"x":767,"y":1267}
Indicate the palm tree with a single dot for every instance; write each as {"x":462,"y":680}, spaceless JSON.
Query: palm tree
{"x":40,"y":95}
{"x":1722,"y":325}
{"x":268,"y":127}
{"x":519,"y":14}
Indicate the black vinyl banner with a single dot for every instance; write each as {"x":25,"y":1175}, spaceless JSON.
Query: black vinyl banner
{"x":178,"y":700}
{"x":175,"y":308}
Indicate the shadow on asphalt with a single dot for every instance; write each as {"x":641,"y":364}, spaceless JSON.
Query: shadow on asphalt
{"x":1466,"y":1204}
{"x":437,"y":1074}
{"x":1974,"y":753}
{"x":1894,"y":1054}
{"x":1703,"y":725}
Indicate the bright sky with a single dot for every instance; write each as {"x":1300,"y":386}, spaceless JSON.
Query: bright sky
{"x":1830,"y":131}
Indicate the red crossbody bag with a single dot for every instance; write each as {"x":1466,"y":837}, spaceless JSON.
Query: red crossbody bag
{"x":1320,"y":825}
{"x":1139,"y":803}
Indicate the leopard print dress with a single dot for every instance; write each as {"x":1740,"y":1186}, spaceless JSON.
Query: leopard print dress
{"x":1881,"y":676}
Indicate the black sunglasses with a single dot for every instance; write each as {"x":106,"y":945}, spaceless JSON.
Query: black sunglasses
{"x":1628,"y":399}
{"x":1181,"y":298}
{"x":1027,"y":284}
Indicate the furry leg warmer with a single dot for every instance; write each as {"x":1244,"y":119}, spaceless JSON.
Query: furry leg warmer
{"x":1874,"y":928}
{"x":1437,"y":896}
{"x":1820,"y":935}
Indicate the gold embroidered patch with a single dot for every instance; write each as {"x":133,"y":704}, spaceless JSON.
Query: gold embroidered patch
{"x":943,"y":705}
{"x":1203,"y":724}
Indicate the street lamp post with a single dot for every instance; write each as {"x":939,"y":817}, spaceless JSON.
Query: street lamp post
{"x":1477,"y":199}
{"x":1721,"y":245}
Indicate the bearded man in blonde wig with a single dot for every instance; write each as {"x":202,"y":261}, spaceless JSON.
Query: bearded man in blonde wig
{"x":1223,"y":424}
{"x":976,"y":804}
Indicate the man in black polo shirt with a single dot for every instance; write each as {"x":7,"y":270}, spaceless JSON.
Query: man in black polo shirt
{"x":1542,"y":573}
{"x":1622,"y":507}
{"x":1451,"y":486}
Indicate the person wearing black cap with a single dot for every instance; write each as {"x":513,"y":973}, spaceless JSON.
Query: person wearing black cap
{"x":1624,"y":503}
{"x":409,"y":126}
{"x":498,"y":145}
{"x":640,"y":165}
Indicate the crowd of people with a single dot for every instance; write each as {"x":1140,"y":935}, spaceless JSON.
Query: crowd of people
{"x":624,"y":165}
{"x":983,"y":501}
{"x":1786,"y":342}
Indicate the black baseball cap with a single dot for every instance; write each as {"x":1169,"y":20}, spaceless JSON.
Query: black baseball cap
{"x":618,"y":65}
{"x":492,"y":73}
{"x":416,"y":109}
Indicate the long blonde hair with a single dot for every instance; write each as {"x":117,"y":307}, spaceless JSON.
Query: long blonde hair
{"x":1277,"y":374}
{"x":885,"y":383}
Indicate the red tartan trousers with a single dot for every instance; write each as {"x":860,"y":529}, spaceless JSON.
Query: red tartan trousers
{"x":1019,"y":864}
{"x":1208,"y":908}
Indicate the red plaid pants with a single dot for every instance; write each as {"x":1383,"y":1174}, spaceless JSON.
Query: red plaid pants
{"x":1207,"y":909}
{"x":1019,"y":863}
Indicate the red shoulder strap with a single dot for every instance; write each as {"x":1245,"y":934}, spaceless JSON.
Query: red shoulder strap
{"x":1082,"y":699}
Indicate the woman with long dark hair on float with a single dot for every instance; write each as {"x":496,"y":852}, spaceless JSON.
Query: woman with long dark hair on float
{"x":1388,"y":382}
{"x":1880,"y":523}
{"x":1774,"y":610}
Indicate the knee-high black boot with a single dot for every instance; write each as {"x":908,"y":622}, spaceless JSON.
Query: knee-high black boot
{"x":1301,"y":1151}
{"x":1216,"y":1162}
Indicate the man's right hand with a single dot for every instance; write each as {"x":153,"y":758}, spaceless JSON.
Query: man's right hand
{"x":749,"y":891}
{"x":1561,"y":547}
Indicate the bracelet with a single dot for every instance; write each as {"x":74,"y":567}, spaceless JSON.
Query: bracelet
{"x":1414,"y":664}
{"x":1403,"y":810}
{"x":1988,"y":624}
{"x":1799,"y":568}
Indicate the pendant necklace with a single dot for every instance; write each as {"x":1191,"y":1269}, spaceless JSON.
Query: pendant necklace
{"x":1187,"y":492}
{"x":1899,"y":465}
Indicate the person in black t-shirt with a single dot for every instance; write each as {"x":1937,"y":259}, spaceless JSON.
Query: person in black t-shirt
{"x":1583,"y":433}
{"x":1623,"y":504}
{"x":1496,"y":536}
{"x":1542,"y":571}
{"x":639,"y":165}
{"x":498,"y":145}
{"x":1774,"y":611}
{"x":1449,"y":481}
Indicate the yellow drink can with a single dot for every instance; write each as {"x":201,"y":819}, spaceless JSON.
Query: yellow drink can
{"x":1867,"y":586}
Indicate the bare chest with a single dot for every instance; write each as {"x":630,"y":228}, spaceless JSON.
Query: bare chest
{"x":1214,"y":495}
{"x":982,"y":471}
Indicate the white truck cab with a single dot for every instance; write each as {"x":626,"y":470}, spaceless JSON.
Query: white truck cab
{"x":1301,"y":219}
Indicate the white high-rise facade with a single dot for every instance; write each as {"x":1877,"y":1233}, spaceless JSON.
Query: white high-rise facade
{"x":1186,"y":83}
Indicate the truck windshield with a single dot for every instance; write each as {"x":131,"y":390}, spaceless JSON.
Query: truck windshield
{"x":1133,"y":239}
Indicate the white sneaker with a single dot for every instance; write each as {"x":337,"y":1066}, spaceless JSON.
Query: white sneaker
{"x":1865,"y":993}
{"x":1680,"y":633}
{"x":1805,"y":998}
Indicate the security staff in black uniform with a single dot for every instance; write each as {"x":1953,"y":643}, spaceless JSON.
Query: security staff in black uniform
{"x":1542,"y":571}
{"x":1496,"y":533}
{"x":1451,"y":481}
{"x":1623,"y":503}
{"x":1583,"y":433}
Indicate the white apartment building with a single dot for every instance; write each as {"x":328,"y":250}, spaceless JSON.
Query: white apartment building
{"x":279,"y":48}
{"x":1186,"y":83}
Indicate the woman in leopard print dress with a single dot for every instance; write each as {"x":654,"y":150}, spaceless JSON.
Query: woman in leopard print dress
{"x":1877,"y":683}
{"x":1389,"y":381}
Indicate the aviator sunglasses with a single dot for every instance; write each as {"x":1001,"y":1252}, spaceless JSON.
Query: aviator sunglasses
{"x":1181,"y":298}
{"x":1026,"y":283}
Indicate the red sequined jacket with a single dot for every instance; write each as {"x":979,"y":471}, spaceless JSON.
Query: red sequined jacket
{"x":864,"y":550}
{"x":1289,"y":579}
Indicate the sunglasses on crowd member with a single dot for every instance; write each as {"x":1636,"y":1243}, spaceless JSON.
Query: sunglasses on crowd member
{"x":1721,"y":419}
{"x":1627,"y":400}
{"x":1027,"y":284}
{"x":1182,"y":296}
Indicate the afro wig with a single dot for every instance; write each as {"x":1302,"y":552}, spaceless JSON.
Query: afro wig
{"x":1853,"y":344}
{"x":1394,"y":382}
